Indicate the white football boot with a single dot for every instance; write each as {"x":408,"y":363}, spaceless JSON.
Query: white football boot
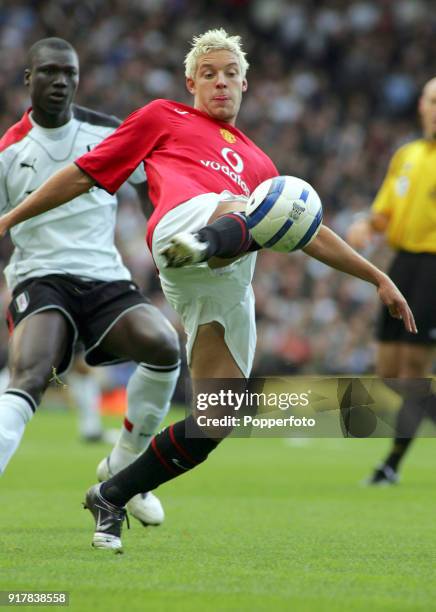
{"x":184,"y":249}
{"x":145,"y":507}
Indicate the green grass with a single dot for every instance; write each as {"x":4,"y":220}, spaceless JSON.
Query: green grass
{"x":264,"y":525}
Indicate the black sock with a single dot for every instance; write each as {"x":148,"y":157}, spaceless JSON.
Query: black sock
{"x":228,"y":236}
{"x":169,"y":455}
{"x":409,"y":418}
{"x":398,"y":451}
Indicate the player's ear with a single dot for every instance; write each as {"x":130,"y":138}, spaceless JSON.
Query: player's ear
{"x":27,"y":77}
{"x":190,"y":85}
{"x":244,"y":85}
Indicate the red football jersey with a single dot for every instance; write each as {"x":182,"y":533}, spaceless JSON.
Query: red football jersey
{"x":186,"y":153}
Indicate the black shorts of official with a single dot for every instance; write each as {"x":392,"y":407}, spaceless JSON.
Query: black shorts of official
{"x":91,"y":309}
{"x":415,"y":276}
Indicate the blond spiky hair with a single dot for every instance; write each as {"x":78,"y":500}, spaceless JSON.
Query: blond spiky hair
{"x":214,"y":40}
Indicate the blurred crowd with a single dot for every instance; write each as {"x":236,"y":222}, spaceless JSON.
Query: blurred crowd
{"x":333,"y":87}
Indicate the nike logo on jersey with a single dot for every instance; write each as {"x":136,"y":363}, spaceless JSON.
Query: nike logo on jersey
{"x":25,"y":164}
{"x":181,"y":112}
{"x":179,"y":465}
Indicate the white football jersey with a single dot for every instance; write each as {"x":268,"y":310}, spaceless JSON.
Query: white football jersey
{"x":75,"y":238}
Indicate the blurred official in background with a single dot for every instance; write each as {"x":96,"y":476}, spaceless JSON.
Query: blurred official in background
{"x":405,"y":211}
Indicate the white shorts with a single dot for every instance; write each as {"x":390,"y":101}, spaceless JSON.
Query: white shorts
{"x":201,"y":295}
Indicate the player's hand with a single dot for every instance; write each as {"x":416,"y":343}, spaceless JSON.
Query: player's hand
{"x":396,"y":303}
{"x":359,"y":234}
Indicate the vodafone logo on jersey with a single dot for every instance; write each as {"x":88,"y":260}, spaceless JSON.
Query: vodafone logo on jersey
{"x":232,"y":168}
{"x":233,"y":159}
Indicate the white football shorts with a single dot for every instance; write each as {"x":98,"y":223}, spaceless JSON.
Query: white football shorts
{"x":201,"y":295}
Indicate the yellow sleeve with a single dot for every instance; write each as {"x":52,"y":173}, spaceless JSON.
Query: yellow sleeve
{"x":385,"y":198}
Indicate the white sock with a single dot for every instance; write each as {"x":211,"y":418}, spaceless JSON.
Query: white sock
{"x":16,"y":410}
{"x":86,"y":393}
{"x":149,"y":393}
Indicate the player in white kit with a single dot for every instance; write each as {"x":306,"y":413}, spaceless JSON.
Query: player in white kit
{"x":67,"y":279}
{"x":199,"y":166}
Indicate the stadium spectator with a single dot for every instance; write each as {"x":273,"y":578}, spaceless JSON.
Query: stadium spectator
{"x":404,"y":211}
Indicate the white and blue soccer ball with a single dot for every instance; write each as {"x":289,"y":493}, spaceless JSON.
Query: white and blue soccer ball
{"x":284,"y":214}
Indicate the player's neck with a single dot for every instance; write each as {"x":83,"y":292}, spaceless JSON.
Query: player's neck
{"x":231,"y":121}
{"x":51,"y":121}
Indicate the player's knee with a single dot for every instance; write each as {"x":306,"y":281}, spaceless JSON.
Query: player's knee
{"x":32,"y":379}
{"x":162,"y":343}
{"x":168,"y":340}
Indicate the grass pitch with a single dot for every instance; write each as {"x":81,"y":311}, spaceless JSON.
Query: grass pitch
{"x":263,"y":525}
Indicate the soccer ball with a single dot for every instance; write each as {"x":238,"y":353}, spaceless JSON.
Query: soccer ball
{"x":284,"y":214}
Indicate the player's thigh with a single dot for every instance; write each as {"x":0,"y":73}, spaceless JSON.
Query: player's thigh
{"x":122,"y":325}
{"x":211,"y":357}
{"x":39,"y":344}
{"x":218,"y":316}
{"x":143,"y":334}
{"x":41,"y":316}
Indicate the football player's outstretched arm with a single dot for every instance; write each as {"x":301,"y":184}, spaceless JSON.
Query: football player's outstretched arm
{"x":62,"y":187}
{"x":329,"y":248}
